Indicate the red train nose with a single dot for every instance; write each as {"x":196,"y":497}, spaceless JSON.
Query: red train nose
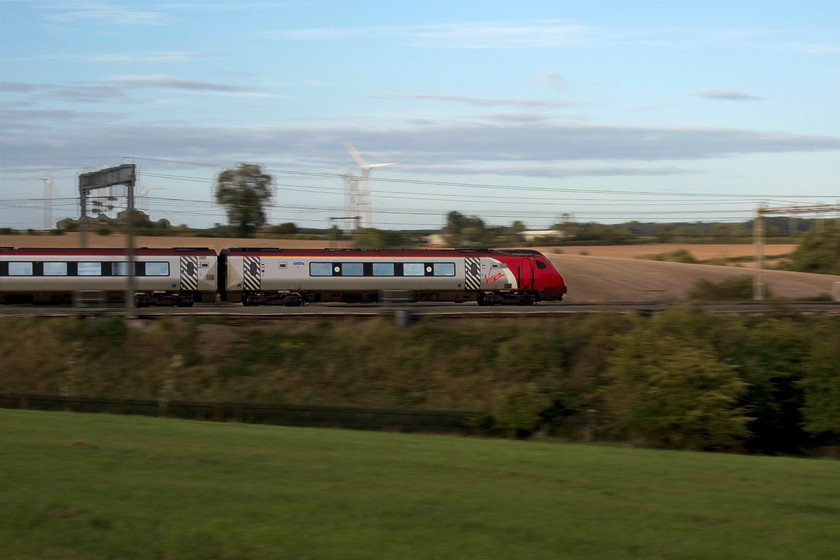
{"x":556,"y":292}
{"x":555,"y":288}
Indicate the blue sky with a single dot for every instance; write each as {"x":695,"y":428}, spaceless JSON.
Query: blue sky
{"x":666,"y":110}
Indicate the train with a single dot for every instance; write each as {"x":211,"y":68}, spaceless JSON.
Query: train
{"x":182,"y":276}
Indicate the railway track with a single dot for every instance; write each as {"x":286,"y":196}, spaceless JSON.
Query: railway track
{"x":450,"y":310}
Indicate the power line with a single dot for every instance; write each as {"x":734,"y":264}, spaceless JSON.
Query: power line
{"x":487,"y":200}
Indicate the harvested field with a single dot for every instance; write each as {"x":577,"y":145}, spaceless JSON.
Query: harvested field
{"x":606,"y":274}
{"x":699,"y":252}
{"x":605,"y":280}
{"x":118,"y":240}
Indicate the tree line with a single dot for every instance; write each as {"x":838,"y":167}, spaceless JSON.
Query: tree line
{"x":245,"y":191}
{"x":682,"y":379}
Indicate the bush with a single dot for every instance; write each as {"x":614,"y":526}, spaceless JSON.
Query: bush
{"x":684,"y":378}
{"x":678,"y":256}
{"x":518,"y":410}
{"x":669,"y":392}
{"x":819,"y":251}
{"x":737,"y":288}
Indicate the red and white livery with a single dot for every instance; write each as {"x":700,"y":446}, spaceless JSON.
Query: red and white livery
{"x":181,"y":276}
{"x":293,"y":277}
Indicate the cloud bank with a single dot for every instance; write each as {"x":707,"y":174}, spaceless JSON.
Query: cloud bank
{"x":450,"y":148}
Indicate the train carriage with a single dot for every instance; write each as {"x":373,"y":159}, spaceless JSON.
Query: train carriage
{"x":161,"y":276}
{"x":292,"y":277}
{"x":181,"y":276}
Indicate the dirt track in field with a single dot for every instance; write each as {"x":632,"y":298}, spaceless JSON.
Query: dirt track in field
{"x":593,"y":274}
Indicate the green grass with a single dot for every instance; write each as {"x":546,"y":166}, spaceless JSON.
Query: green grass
{"x":99,"y":486}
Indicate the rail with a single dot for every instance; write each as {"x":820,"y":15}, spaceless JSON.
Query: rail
{"x":446,"y":310}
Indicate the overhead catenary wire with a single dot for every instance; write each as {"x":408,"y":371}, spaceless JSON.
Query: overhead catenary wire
{"x":399,"y":197}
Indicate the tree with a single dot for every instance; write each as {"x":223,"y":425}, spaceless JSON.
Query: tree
{"x":455,"y":224}
{"x":821,"y":382}
{"x":372,"y":238}
{"x":514,"y":231}
{"x":243,"y":192}
{"x":139,"y":218}
{"x":287,"y":228}
{"x":462,"y":229}
{"x":667,"y":391}
{"x":567,"y":226}
{"x":475,"y":231}
{"x":819,"y":251}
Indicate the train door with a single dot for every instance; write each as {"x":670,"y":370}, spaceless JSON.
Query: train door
{"x":252,"y":273}
{"x":189,"y":274}
{"x":472,"y":273}
{"x":526,"y":274}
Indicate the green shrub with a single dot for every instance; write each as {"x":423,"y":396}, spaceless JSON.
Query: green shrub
{"x":678,"y":256}
{"x":518,"y":410}
{"x":736,"y":288}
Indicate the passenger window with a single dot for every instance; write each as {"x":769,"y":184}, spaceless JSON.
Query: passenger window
{"x":89,"y":269}
{"x":20,"y":269}
{"x":444,"y":269}
{"x":55,"y":269}
{"x":119,"y":269}
{"x":157,"y":269}
{"x":383,"y":269}
{"x":352,"y":269}
{"x":320,"y":269}
{"x":413,"y":269}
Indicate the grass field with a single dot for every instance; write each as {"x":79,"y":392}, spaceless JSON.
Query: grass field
{"x":99,"y":486}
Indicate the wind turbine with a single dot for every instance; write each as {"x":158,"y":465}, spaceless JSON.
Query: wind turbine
{"x":49,"y":191}
{"x":357,"y":197}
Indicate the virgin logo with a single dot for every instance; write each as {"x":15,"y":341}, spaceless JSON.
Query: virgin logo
{"x":491,"y":279}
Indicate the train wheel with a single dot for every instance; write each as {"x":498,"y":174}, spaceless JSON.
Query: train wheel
{"x":294,"y":300}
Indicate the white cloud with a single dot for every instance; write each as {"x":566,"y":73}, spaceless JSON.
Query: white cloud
{"x":118,"y":89}
{"x":553,"y":80}
{"x":107,"y":13}
{"x":547,"y":169}
{"x":19,"y":87}
{"x":470,"y":146}
{"x":167,"y":82}
{"x":727,"y":95}
{"x":481,"y":101}
{"x":494,"y":35}
{"x":814,"y":48}
{"x":162,"y":56}
{"x":471,"y":35}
